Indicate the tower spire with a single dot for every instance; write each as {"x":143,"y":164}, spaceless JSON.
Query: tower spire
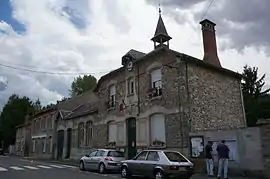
{"x":161,"y":36}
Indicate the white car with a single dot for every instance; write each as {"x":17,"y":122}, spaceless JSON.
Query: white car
{"x":102,"y":160}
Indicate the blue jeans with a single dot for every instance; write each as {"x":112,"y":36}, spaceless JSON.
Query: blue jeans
{"x":223,"y":166}
{"x":209,"y":166}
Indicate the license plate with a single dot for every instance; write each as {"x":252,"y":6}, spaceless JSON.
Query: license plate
{"x":182,"y":169}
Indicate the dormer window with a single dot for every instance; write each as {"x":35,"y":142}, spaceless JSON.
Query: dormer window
{"x":112,"y":96}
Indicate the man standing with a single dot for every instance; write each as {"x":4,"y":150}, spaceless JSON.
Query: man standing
{"x":223,"y":159}
{"x":209,"y":159}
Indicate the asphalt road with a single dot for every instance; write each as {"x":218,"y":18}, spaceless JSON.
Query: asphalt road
{"x":16,"y":168}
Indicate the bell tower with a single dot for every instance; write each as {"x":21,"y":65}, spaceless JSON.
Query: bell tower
{"x":161,"y":37}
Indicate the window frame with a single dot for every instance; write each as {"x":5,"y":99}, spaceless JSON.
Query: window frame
{"x":130,"y":86}
{"x":89,"y":132}
{"x":112,"y":95}
{"x":153,"y":137}
{"x":81,"y":137}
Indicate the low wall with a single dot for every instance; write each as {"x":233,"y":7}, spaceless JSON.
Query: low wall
{"x":245,"y":145}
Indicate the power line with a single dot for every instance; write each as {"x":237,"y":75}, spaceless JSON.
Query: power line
{"x":203,"y":16}
{"x":50,"y":73}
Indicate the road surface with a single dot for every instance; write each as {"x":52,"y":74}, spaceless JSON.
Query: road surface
{"x":16,"y":168}
{"x":19,"y":168}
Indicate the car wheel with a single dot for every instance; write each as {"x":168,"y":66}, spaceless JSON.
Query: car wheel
{"x":159,"y":174}
{"x":124,"y":172}
{"x":101,"y":168}
{"x":81,"y":166}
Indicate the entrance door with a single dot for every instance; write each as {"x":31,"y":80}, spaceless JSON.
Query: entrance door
{"x":68,"y":143}
{"x":131,"y":137}
{"x":60,"y":143}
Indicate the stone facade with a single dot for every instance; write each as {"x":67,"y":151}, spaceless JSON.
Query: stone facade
{"x":23,"y":139}
{"x":42,"y":127}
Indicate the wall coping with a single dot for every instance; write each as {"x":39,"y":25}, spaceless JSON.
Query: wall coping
{"x":263,"y":122}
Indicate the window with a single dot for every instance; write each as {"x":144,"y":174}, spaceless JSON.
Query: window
{"x":142,"y":155}
{"x":43,"y":144}
{"x":34,"y":145}
{"x":112,"y":132}
{"x":153,"y":156}
{"x":175,"y":157}
{"x":50,"y":144}
{"x":93,"y":153}
{"x":43,"y":123}
{"x":130,"y":86}
{"x":157,"y":128}
{"x":81,"y":134}
{"x":115,"y":154}
{"x":89,"y":132}
{"x":100,"y":153}
{"x":49,"y":123}
{"x":112,"y":95}
{"x":156,"y":83}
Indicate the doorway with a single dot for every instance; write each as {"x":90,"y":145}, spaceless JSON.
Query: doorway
{"x":68,"y":143}
{"x":131,"y":137}
{"x":60,"y":143}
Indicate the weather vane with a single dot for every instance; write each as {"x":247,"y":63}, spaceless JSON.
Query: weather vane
{"x":159,"y":9}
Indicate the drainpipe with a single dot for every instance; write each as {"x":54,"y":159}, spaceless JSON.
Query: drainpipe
{"x":138,"y":90}
{"x":243,"y":105}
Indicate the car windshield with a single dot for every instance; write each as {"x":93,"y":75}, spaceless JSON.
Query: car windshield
{"x":115,"y":154}
{"x":175,"y":157}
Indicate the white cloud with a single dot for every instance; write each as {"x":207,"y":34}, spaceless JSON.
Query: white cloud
{"x":53,"y":43}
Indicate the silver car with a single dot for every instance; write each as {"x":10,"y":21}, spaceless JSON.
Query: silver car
{"x":158,"y":164}
{"x":102,"y":160}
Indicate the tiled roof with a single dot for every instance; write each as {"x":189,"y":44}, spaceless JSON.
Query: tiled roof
{"x":82,"y":110}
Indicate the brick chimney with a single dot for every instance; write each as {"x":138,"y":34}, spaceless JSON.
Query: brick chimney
{"x":209,"y":43}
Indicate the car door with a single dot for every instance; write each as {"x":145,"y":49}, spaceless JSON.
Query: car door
{"x":136,"y":165}
{"x":97,"y":158}
{"x":152,"y":160}
{"x":88,"y":162}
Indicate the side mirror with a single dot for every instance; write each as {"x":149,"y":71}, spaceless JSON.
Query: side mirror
{"x":87,"y":155}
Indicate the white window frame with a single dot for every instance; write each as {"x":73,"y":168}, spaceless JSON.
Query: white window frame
{"x":156,"y":78}
{"x":112,"y":96}
{"x":112,"y":132}
{"x":130,"y":86}
{"x":157,"y":128}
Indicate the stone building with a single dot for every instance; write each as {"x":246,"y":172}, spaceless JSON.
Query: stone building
{"x":73,"y":125}
{"x":155,"y":100}
{"x":23,"y":138}
{"x":43,"y":133}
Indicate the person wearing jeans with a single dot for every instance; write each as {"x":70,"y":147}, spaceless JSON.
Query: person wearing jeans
{"x":209,"y":159}
{"x":223,"y":159}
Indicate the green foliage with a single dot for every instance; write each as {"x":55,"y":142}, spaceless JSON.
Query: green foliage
{"x":82,"y":84}
{"x":256,"y":100}
{"x":13,"y":114}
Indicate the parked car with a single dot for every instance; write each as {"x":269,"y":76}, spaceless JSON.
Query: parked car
{"x":102,"y":160}
{"x":158,"y":164}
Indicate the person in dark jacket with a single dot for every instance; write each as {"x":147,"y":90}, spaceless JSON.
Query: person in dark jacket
{"x":223,"y":159}
{"x":209,"y":159}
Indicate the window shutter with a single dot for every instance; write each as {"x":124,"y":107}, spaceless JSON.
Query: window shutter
{"x":158,"y":127}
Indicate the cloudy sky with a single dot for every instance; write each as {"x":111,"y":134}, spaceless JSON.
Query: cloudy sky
{"x":44,"y":44}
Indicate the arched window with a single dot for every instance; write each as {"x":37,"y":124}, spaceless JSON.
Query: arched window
{"x":89,"y":132}
{"x":81,"y":134}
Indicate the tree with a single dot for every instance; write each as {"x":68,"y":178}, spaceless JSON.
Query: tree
{"x":82,"y":84}
{"x":13,"y":114}
{"x":256,"y":100}
{"x":37,"y":105}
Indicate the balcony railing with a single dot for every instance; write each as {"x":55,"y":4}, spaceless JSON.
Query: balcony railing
{"x":154,"y":92}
